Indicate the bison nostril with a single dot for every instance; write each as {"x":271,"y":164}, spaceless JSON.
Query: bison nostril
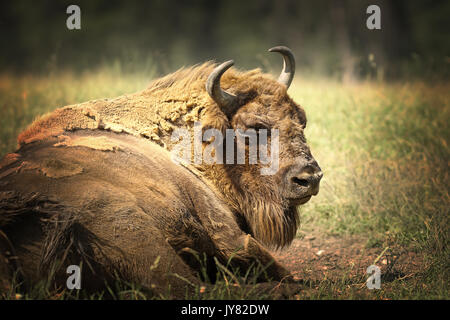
{"x":302,"y":182}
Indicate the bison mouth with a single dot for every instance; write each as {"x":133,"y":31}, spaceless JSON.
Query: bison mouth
{"x":299,"y":201}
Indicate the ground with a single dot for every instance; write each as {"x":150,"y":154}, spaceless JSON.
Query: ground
{"x":341,"y":262}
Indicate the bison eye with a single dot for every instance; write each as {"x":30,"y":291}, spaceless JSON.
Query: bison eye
{"x":259,"y":126}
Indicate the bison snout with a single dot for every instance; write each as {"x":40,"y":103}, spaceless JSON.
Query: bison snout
{"x":302,"y":182}
{"x":308,"y":181}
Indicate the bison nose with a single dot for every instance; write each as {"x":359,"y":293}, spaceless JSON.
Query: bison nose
{"x":306,"y":180}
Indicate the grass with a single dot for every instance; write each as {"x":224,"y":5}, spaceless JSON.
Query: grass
{"x":385,"y":156}
{"x":383,"y":149}
{"x":230,"y":285}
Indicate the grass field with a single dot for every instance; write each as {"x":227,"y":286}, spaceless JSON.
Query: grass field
{"x":383,"y":149}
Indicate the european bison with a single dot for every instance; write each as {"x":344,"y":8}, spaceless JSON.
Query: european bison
{"x":95,"y":184}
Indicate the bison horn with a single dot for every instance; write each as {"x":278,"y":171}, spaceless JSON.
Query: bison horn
{"x":287,"y":74}
{"x":226,"y":101}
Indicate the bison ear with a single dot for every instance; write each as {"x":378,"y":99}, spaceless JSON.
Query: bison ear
{"x":287,"y":74}
{"x":227,"y":102}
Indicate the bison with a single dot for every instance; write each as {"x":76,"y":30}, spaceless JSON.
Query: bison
{"x":95,"y":185}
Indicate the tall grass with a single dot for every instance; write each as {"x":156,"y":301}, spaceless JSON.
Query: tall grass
{"x":383,"y":149}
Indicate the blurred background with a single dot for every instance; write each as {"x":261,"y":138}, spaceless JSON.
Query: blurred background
{"x":329,"y":37}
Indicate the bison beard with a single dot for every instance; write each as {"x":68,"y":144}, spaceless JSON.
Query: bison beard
{"x":94,"y":184}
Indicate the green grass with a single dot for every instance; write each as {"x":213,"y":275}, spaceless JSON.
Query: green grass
{"x":385,"y":156}
{"x":383,"y":149}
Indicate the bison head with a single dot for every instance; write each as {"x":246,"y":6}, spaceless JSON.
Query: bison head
{"x":265,"y":204}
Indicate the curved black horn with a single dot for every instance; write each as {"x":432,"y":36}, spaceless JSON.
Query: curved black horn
{"x":226,"y":101}
{"x":288,"y":72}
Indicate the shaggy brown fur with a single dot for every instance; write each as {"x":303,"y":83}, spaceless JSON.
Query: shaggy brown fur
{"x":102,"y":160}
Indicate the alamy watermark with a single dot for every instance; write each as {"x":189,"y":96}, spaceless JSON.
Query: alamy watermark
{"x":374,"y":20}
{"x":374,"y":281}
{"x":73,"y":22}
{"x":258,"y":148}
{"x":74,"y":280}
